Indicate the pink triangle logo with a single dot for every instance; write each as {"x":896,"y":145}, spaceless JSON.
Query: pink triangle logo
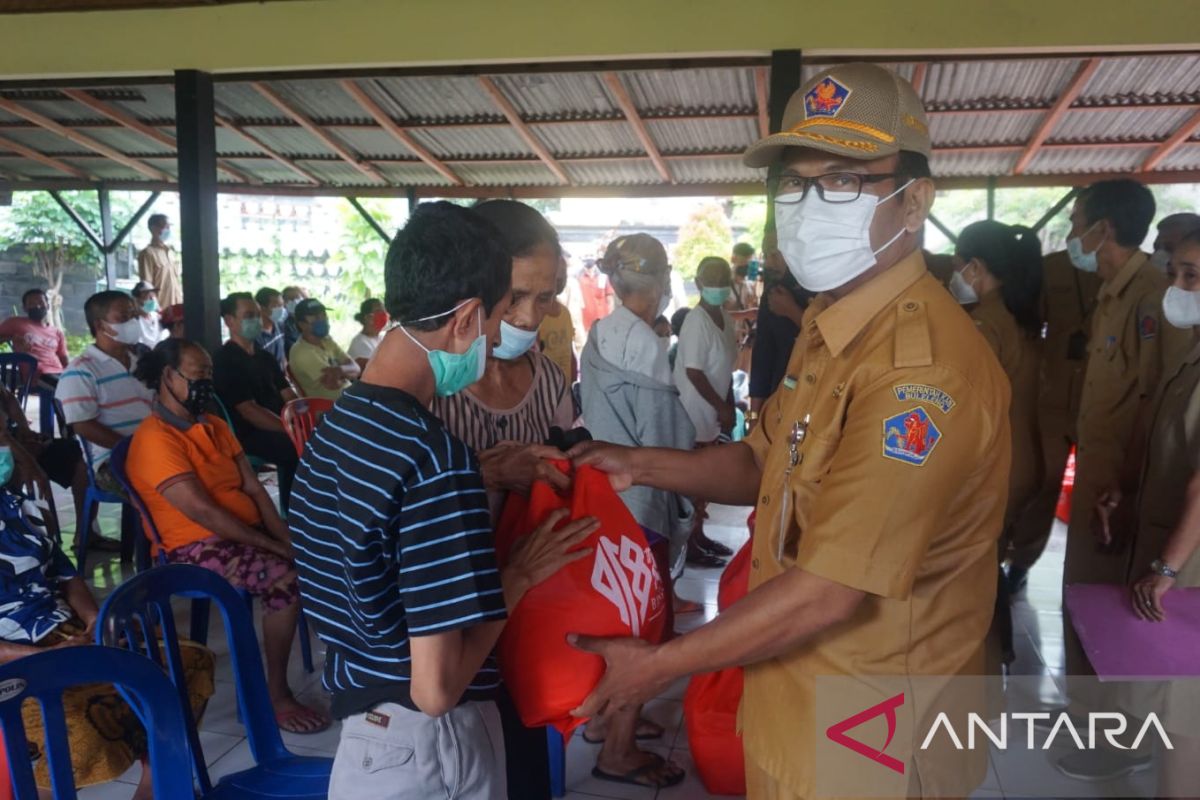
{"x":837,"y":733}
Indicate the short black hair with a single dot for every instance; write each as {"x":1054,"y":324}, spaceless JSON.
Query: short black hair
{"x":443,"y":256}
{"x":677,"y":319}
{"x":364,"y":308}
{"x":1013,"y":254}
{"x":523,"y":228}
{"x":157,"y":221}
{"x":307,"y":309}
{"x":230,"y":301}
{"x":31,"y":292}
{"x":97,"y":306}
{"x":167,"y":353}
{"x":912,"y":165}
{"x":743,"y":250}
{"x":1127,"y":205}
{"x":265,"y":295}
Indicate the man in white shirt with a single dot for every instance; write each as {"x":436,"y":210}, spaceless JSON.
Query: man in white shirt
{"x":704,"y":376}
{"x":145,"y":301}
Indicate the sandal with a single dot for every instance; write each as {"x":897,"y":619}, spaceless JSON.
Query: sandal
{"x":645,"y":731}
{"x":710,"y":546}
{"x":287,"y":721}
{"x":698,"y":558}
{"x":639,"y":776}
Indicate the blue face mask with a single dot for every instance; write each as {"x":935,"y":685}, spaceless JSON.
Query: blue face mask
{"x":453,"y":372}
{"x":6,"y":465}
{"x":279,"y":314}
{"x":1085,"y":262}
{"x":514,"y":342}
{"x":320,"y":328}
{"x":715,"y":296}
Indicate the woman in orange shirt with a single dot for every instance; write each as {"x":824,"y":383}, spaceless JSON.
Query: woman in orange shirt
{"x":211,"y":510}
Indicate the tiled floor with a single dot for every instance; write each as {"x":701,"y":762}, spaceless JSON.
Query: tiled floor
{"x":1039,"y":645}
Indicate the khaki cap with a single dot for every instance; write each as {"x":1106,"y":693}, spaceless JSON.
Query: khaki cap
{"x":856,"y":110}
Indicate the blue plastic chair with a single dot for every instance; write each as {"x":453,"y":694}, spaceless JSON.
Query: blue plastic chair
{"x":255,"y":462}
{"x":558,"y":762}
{"x":43,"y":676}
{"x":17,"y":371}
{"x":200,"y":606}
{"x":129,"y":616}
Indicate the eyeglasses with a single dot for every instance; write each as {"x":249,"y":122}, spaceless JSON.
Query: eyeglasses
{"x":846,"y":186}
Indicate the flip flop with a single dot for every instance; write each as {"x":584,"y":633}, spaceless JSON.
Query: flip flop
{"x":637,"y":737}
{"x":285,"y":718}
{"x":632,"y":777}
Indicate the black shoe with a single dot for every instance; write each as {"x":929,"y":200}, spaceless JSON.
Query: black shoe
{"x":1017,"y":577}
{"x":104,"y":544}
{"x":698,"y":557}
{"x":1097,"y":766}
{"x":709,"y":546}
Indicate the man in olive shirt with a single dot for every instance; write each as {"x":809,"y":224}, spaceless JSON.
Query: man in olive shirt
{"x":157,"y":265}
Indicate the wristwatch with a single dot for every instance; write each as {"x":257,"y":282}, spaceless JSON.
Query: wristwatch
{"x":751,"y":416}
{"x":1158,"y":567}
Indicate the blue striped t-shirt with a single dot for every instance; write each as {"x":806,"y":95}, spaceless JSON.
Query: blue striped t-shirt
{"x":393,"y":539}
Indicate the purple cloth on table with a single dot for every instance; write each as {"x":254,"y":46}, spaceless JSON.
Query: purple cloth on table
{"x":1121,"y":646}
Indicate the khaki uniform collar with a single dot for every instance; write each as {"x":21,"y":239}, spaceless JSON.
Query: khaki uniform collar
{"x":1125,"y":276}
{"x":839,"y":323}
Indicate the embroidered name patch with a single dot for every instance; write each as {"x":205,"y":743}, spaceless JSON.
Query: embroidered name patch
{"x":910,"y":437}
{"x":923,"y":393}
{"x":380,"y":720}
{"x":825,"y":99}
{"x":1147,"y":327}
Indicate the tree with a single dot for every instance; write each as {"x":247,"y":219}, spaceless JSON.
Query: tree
{"x":750,"y":212}
{"x":705,"y":233}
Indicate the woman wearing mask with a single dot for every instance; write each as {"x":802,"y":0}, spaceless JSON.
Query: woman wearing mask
{"x":373,"y":319}
{"x":1168,"y":531}
{"x":145,"y":298}
{"x":999,"y":278}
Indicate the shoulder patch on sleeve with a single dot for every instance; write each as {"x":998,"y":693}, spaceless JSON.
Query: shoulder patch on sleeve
{"x":912,"y":345}
{"x":910,"y":436}
{"x":924,"y":393}
{"x":1147,"y":326}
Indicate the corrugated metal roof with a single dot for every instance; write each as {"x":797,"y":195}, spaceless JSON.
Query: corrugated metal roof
{"x":1165,"y":76}
{"x":533,"y":173}
{"x":1061,"y":161}
{"x":338,"y":173}
{"x":127,"y":141}
{"x":713,"y":170}
{"x":557,"y":95}
{"x":22,"y":166}
{"x":612,"y":173}
{"x":437,"y":97}
{"x":265,"y":169}
{"x":1033,"y":81}
{"x":1186,"y":157}
{"x":694,"y":136}
{"x":320,"y":100}
{"x":1119,"y":125}
{"x":154,"y":102}
{"x":290,"y":141}
{"x":372,"y":142}
{"x":415,"y":174}
{"x":492,"y":141}
{"x":44,"y":141}
{"x":609,"y":138}
{"x":946,"y":165}
{"x":987,"y":128}
{"x":242,"y":101}
{"x":692,"y":89}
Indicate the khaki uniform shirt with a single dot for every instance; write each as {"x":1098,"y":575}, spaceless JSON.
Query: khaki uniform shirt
{"x":1128,"y":349}
{"x":157,"y":267}
{"x":1020,"y":358}
{"x":1172,"y":457}
{"x":896,"y":488}
{"x":1068,"y":300}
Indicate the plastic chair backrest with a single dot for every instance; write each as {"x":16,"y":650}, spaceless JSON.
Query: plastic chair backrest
{"x":17,"y":371}
{"x":43,"y":676}
{"x":117,"y":459}
{"x":300,"y":418}
{"x":291,"y":379}
{"x":145,"y":600}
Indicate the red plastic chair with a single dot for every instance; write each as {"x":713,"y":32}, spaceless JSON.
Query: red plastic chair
{"x":300,"y":418}
{"x":291,"y":379}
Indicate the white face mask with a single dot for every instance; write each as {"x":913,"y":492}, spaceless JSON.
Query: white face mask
{"x":963,"y":292}
{"x":1160,"y":259}
{"x":827,"y":245}
{"x":1085,"y":262}
{"x":1181,"y":307}
{"x":127,"y":332}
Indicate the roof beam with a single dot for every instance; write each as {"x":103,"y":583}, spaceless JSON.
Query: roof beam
{"x":271,"y":154}
{"x":130,"y":122}
{"x":514,"y":119}
{"x":84,"y":141}
{"x":920,"y":69}
{"x":625,"y":103}
{"x":398,"y":133}
{"x":1181,"y":135}
{"x":34,"y":155}
{"x":761,"y":96}
{"x":319,"y":133}
{"x":1061,"y":106}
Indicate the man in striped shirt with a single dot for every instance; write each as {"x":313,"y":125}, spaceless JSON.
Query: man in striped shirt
{"x":100,"y":397}
{"x":393,"y":538}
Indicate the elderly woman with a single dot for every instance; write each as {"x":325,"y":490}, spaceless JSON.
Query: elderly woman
{"x":506,"y":417}
{"x":44,"y":605}
{"x":211,"y":510}
{"x":1166,"y":549}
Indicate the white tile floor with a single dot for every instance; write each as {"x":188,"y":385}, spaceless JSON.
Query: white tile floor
{"x":1038,"y":622}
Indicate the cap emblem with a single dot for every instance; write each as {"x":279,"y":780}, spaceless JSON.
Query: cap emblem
{"x":825,"y":99}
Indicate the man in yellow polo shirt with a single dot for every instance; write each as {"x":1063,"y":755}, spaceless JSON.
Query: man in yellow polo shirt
{"x":879,"y":468}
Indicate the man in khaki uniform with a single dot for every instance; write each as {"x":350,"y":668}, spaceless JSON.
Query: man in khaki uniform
{"x":879,"y":467}
{"x":1068,"y":299}
{"x":157,"y":265}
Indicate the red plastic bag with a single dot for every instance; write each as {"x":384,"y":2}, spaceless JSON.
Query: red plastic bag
{"x":616,"y":592}
{"x":710,"y":705}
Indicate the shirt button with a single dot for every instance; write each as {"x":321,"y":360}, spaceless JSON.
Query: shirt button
{"x":766,"y":499}
{"x":754,"y":563}
{"x":810,"y":378}
{"x":910,"y":306}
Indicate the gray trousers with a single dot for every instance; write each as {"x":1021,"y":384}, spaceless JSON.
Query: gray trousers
{"x":392,"y":753}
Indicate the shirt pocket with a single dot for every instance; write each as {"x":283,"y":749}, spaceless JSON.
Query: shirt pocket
{"x":818,"y":457}
{"x":371,"y":755}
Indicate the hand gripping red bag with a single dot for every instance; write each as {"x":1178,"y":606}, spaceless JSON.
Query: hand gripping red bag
{"x":710,"y":705}
{"x":615,"y":592}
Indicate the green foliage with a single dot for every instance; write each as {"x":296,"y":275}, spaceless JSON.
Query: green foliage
{"x":705,"y":233}
{"x":751,"y":213}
